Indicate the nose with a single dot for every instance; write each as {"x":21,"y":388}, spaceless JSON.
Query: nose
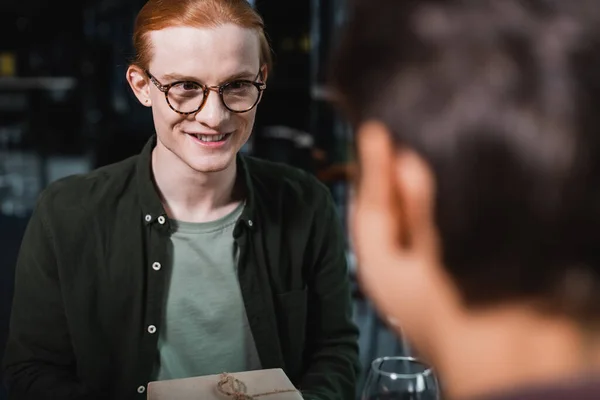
{"x":213,"y":113}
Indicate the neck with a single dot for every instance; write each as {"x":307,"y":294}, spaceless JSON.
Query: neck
{"x":189,"y":195}
{"x":511,"y":348}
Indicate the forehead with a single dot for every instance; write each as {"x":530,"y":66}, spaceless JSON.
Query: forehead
{"x":208,"y":54}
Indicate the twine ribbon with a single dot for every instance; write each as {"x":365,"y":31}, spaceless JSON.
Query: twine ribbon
{"x":234,"y":388}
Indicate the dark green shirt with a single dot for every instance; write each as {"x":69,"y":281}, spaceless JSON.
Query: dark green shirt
{"x":89,"y":287}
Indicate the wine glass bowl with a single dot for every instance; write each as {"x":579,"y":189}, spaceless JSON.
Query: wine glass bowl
{"x":400,"y":378}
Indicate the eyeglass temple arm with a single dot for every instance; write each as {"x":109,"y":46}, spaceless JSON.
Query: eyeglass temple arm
{"x":159,"y":85}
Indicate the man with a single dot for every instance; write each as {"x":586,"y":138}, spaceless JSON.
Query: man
{"x":188,"y":259}
{"x":476,"y":216}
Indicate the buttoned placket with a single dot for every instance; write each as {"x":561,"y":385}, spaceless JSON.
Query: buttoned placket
{"x":157,"y":231}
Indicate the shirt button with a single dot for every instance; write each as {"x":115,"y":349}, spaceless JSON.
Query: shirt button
{"x":161,"y":220}
{"x":250,"y":223}
{"x":148,"y":217}
{"x":141,"y":389}
{"x":156,"y":266}
{"x":151,"y":329}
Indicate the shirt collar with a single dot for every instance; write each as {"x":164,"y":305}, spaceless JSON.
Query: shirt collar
{"x":152,"y":208}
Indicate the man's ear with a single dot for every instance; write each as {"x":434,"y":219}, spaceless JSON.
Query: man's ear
{"x":138,"y":82}
{"x":264,"y":72}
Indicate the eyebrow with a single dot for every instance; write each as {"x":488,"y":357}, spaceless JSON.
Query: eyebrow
{"x":240,"y":75}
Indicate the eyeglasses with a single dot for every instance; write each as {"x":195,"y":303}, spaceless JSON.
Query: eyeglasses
{"x":188,"y":97}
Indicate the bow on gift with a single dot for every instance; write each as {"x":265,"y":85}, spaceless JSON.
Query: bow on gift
{"x":237,"y":390}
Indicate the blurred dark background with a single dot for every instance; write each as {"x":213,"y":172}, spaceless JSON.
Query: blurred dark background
{"x":65,"y":108}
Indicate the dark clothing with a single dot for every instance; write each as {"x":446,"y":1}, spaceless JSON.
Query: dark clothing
{"x":582,"y":390}
{"x":90,"y":284}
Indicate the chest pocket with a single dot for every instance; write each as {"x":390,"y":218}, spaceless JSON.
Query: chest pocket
{"x":291,"y":319}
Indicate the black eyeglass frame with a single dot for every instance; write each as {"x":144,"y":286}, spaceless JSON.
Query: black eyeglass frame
{"x":261,"y":86}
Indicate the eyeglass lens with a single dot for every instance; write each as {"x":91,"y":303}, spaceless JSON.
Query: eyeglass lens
{"x":186,"y":97}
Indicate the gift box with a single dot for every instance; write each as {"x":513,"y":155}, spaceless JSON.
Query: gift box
{"x":267,"y":384}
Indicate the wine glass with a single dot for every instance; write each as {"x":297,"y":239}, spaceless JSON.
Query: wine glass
{"x":400,"y":378}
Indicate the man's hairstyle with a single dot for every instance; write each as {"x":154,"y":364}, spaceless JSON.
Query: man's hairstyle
{"x":502,"y":99}
{"x":160,"y":14}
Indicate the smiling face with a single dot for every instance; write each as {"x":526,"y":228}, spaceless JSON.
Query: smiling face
{"x":211,"y":57}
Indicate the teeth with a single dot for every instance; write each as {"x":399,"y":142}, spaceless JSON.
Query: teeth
{"x":210,"y":138}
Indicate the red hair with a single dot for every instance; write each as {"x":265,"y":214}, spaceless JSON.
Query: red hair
{"x":161,"y":14}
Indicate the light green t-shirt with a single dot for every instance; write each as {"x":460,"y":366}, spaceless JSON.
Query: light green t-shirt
{"x":205,"y":329}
